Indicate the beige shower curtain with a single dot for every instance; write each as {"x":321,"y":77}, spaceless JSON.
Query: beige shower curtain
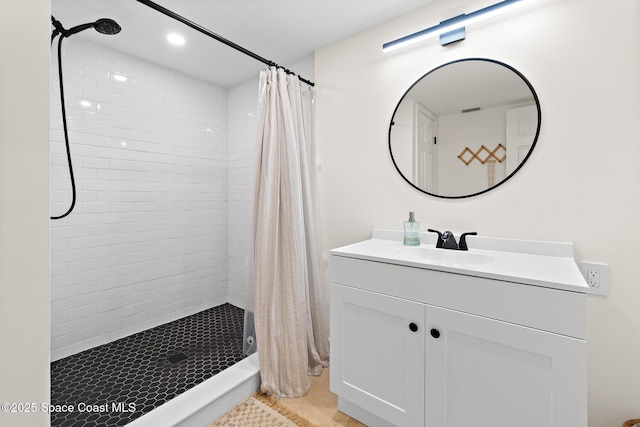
{"x":287,"y":276}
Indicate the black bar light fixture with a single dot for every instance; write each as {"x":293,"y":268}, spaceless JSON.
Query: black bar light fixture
{"x":453,"y":29}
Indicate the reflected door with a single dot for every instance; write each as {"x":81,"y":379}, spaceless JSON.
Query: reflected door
{"x":425,"y":150}
{"x":522,"y":124}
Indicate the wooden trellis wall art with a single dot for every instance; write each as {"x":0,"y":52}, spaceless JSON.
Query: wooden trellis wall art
{"x":498,"y":154}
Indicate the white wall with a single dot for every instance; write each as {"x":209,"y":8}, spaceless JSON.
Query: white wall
{"x":24,"y":208}
{"x":402,"y":135}
{"x":580,"y":184}
{"x":147,"y":240}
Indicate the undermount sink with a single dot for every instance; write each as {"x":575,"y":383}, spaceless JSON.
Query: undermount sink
{"x":444,"y":256}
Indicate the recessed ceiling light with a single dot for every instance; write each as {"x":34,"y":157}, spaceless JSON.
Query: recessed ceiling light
{"x":85,"y":103}
{"x":119,"y":78}
{"x":175,"y":39}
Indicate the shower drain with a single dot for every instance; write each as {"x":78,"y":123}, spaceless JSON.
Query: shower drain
{"x":176,"y":357}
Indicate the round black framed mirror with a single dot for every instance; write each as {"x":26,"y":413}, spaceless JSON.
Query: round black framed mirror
{"x":464,"y":128}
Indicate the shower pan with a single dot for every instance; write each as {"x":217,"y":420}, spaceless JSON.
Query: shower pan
{"x":116,"y":383}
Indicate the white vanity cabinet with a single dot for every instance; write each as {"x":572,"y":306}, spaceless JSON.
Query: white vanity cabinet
{"x":415,"y":344}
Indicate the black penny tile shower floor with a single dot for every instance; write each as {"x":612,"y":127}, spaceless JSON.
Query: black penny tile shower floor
{"x":115,"y":383}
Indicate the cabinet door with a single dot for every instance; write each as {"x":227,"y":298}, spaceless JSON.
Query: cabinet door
{"x":487,"y":373}
{"x":377,"y":355}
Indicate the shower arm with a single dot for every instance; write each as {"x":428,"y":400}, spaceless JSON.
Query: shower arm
{"x":60,"y":30}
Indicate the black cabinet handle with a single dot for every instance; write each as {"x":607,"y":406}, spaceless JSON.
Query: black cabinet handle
{"x":435,"y":333}
{"x":413,"y":327}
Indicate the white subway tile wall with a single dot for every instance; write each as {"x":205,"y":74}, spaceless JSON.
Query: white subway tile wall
{"x":147,"y":240}
{"x":241,"y":157}
{"x":164,"y":168}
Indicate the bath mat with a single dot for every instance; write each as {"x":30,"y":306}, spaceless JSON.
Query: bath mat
{"x":261,"y":410}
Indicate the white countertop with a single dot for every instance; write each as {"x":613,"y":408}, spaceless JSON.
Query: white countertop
{"x":546,"y":264}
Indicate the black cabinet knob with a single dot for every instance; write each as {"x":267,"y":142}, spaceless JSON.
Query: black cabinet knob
{"x":435,"y":333}
{"x":413,"y":327}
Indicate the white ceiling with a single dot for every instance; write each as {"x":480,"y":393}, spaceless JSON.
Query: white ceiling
{"x":282,"y":31}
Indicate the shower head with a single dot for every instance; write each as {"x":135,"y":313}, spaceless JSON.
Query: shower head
{"x":103,"y":26}
{"x":107,"y":26}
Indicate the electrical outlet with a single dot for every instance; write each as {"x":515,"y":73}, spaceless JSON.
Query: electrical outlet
{"x":593,"y":278}
{"x":597,"y":277}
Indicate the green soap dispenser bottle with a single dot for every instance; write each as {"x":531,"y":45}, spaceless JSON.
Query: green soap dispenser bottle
{"x":411,"y":231}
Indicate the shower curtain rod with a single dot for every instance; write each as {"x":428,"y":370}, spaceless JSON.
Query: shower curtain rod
{"x":221,"y":39}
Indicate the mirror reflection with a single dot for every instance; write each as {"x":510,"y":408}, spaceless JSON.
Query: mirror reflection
{"x":464,"y":128}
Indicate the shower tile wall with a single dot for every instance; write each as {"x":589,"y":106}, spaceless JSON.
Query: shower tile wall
{"x":147,"y":241}
{"x":242,"y":112}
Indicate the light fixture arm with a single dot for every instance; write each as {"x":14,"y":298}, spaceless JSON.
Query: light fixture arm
{"x":451,"y":25}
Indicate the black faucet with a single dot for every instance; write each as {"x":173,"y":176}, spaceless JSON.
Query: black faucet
{"x":447,"y":240}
